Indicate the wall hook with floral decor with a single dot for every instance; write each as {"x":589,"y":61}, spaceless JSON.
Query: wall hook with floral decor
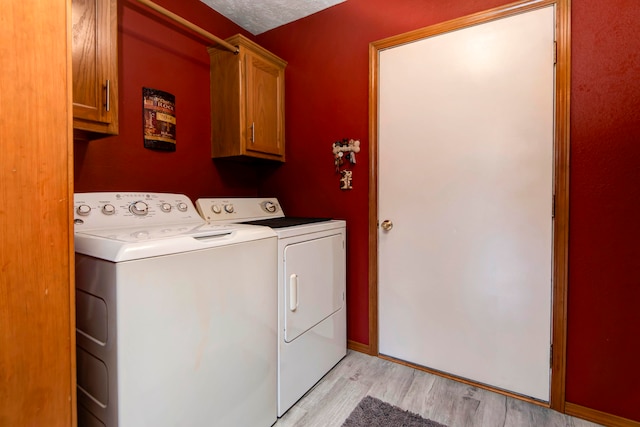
{"x":345,"y":149}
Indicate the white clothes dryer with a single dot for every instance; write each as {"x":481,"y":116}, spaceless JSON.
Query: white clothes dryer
{"x":311,"y":289}
{"x":176,"y":320}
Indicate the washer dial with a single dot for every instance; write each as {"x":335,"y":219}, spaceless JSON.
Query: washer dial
{"x":83,"y":210}
{"x":139,"y":208}
{"x":108,"y":209}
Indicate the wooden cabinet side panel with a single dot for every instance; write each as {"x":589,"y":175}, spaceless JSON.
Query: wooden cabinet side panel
{"x":227,"y":118}
{"x":37,"y":370}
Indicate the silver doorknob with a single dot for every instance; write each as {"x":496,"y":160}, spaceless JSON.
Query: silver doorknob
{"x":386,"y":225}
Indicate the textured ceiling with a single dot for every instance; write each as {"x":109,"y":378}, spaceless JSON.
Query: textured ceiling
{"x":258,"y":16}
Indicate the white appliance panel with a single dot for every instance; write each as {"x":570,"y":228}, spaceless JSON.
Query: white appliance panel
{"x":310,"y":230}
{"x":303,"y":362}
{"x":185,"y":345}
{"x":176,"y":318}
{"x":312,"y":338}
{"x":313,"y":282}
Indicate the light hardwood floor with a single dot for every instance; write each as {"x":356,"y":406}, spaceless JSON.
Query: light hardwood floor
{"x":448,"y":402}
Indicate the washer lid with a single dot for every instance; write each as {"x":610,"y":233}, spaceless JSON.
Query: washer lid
{"x":131,"y":243}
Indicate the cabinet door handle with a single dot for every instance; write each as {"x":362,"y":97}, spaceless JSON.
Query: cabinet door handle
{"x":253,"y":132}
{"x":107,"y":105}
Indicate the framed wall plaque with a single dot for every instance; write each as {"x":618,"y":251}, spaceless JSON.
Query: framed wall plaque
{"x":159,"y":119}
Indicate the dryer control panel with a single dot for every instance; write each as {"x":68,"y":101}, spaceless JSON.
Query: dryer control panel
{"x":236,"y":210}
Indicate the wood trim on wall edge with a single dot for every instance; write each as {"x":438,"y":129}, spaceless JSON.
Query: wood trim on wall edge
{"x":561,"y":192}
{"x":373,"y":199}
{"x":73,"y":401}
{"x":599,"y":417}
{"x":359,"y":347}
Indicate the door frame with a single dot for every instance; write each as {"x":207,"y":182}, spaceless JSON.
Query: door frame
{"x":560,"y":176}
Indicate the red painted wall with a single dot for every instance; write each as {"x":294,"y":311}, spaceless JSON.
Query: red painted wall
{"x":155,"y":53}
{"x":604,"y":246}
{"x":327,"y":95}
{"x":327,"y":100}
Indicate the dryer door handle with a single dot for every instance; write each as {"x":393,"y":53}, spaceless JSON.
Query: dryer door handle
{"x":293,"y":292}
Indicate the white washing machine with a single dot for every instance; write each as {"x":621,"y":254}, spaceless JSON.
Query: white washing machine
{"x":312,"y":334}
{"x":176,"y":322}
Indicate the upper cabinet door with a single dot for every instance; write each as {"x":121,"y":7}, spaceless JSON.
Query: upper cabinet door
{"x":247,"y":102}
{"x":95,"y":68}
{"x":265,"y":109}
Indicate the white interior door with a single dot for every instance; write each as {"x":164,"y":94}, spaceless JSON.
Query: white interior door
{"x":465,"y":176}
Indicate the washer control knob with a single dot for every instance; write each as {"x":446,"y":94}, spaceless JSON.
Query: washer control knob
{"x":165,"y":207}
{"x":229,"y":208}
{"x":108,"y":209}
{"x":139,"y":208}
{"x":182,"y":207}
{"x":269,"y":206}
{"x":216,"y":209}
{"x":83,"y":210}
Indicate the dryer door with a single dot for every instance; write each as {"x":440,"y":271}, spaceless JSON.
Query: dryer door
{"x":314,"y":283}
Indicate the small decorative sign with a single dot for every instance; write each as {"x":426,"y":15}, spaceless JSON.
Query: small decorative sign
{"x":159,"y":116}
{"x":345,"y":181}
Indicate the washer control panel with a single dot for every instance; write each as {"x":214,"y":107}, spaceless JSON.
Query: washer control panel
{"x":238,"y":209}
{"x":115,"y":210}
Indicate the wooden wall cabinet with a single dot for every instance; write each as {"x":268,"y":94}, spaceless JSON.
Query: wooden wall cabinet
{"x":247,"y":102}
{"x":95,"y":68}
